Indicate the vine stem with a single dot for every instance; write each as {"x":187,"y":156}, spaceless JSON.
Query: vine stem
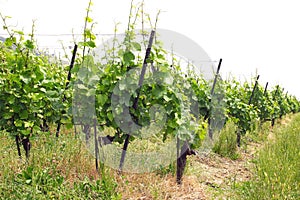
{"x":207,"y":116}
{"x":18,"y":146}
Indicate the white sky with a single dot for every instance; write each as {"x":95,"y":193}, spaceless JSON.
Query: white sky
{"x":262,"y":35}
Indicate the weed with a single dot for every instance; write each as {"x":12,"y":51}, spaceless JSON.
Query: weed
{"x":226,"y":144}
{"x":170,"y":169}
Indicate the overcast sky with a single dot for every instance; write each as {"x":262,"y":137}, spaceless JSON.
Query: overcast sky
{"x":262,"y":35}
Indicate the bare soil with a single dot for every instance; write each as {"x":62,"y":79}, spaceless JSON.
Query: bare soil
{"x":208,"y":176}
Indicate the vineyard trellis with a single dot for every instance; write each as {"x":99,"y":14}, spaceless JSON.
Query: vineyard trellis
{"x":36,"y":93}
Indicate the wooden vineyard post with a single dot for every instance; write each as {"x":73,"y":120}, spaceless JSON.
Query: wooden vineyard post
{"x":67,"y":84}
{"x":281,"y":112}
{"x":274,"y":98}
{"x":208,"y":117}
{"x":264,"y":95}
{"x":178,"y":178}
{"x":238,"y":134}
{"x":253,"y":90}
{"x":135,"y":103}
{"x":266,"y":89}
{"x":185,"y":150}
{"x":96,"y":145}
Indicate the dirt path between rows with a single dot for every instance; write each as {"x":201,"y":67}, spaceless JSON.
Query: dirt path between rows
{"x":208,"y":176}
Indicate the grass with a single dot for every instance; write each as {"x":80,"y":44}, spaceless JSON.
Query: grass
{"x":226,"y":144}
{"x":62,"y":168}
{"x":58,"y":168}
{"x":277,"y":166}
